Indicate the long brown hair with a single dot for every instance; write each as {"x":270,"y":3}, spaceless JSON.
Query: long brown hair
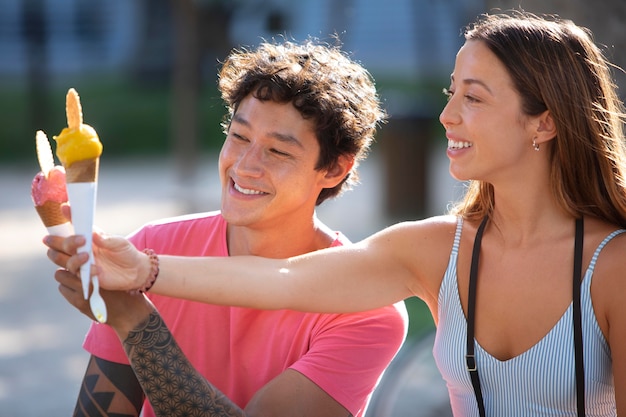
{"x":556,"y":66}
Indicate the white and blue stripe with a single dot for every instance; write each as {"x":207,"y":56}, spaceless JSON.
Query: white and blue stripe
{"x":540,"y":381}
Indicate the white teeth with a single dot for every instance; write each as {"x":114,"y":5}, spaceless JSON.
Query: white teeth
{"x":458,"y":145}
{"x":247,"y":191}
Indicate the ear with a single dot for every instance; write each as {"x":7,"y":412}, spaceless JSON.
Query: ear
{"x":546,"y":128}
{"x":336,"y":173}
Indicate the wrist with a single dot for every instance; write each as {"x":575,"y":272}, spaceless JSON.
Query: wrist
{"x":151,"y":262}
{"x":137,"y":309}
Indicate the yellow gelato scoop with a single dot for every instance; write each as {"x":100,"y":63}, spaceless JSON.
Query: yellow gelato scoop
{"x":78,"y":141}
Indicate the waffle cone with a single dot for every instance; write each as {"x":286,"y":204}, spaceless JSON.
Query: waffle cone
{"x":50,"y":213}
{"x":82,"y":171}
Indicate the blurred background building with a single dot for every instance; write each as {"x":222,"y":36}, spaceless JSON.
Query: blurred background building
{"x":147,"y":68}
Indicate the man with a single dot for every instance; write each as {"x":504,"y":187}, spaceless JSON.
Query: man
{"x":301,"y":117}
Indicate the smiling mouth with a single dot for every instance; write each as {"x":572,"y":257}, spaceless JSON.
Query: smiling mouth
{"x":453,"y":144}
{"x":246,"y":191}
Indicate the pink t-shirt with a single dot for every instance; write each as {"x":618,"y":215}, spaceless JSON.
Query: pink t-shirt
{"x":239,"y":350}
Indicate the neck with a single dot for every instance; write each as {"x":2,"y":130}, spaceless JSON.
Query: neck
{"x":528,"y":216}
{"x":280,"y":242}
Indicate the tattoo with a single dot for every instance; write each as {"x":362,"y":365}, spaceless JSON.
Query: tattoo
{"x":109,"y":388}
{"x":172,"y":385}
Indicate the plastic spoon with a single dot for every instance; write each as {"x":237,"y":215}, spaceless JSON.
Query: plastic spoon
{"x":96,"y":302}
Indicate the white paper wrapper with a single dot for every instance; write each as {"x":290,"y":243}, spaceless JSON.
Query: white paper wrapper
{"x":82,"y":196}
{"x":63,"y":230}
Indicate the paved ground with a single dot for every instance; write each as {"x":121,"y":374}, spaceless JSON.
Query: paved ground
{"x":41,"y":360}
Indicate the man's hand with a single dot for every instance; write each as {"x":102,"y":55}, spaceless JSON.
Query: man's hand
{"x":124,"y":309}
{"x":117,"y":256}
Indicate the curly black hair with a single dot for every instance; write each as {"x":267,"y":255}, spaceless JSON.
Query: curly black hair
{"x":323,"y":84}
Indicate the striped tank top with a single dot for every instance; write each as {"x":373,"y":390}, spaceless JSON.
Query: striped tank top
{"x":538,"y":382}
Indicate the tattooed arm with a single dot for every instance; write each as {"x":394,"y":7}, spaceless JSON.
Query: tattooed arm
{"x":109,"y":388}
{"x":173,"y":386}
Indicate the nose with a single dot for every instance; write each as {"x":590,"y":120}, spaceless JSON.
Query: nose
{"x":249,"y":162}
{"x":449,"y":115}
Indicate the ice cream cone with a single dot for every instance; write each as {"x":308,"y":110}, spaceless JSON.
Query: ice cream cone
{"x":50,"y":213}
{"x":48,"y":190}
{"x":54,"y":220}
{"x":83,"y":171}
{"x":79,"y":149}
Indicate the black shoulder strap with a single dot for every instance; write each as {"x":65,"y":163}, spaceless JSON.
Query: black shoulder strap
{"x":470,"y":359}
{"x":578,"y":332}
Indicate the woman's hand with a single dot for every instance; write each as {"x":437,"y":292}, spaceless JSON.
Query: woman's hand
{"x":118,"y":264}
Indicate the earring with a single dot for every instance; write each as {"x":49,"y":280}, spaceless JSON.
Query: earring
{"x":535,"y":146}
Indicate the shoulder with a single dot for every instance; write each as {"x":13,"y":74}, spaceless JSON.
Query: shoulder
{"x":611,"y":256}
{"x":165,"y":235}
{"x":388,"y":325}
{"x":422,"y":247}
{"x":609,"y":282}
{"x":187,"y":220}
{"x":438,"y":229}
{"x":420,"y":239}
{"x":212,"y":218}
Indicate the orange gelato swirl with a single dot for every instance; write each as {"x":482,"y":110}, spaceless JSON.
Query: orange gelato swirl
{"x":78,"y":144}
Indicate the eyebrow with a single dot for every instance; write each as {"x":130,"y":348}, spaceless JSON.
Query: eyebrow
{"x":282,"y":137}
{"x":469,"y":81}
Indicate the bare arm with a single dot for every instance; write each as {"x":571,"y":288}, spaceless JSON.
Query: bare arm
{"x":607,"y":290}
{"x":617,"y":341}
{"x":394,"y":264}
{"x":399,"y":262}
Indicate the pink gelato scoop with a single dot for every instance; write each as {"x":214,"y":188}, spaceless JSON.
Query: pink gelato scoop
{"x":49,"y":189}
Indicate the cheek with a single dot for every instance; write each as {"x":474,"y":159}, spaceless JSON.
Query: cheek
{"x":295,"y":183}
{"x":224,"y":161}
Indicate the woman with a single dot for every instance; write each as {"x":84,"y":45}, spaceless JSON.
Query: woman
{"x":534,"y":122}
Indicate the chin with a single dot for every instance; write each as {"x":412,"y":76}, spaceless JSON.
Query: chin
{"x":235,"y":218}
{"x":459,"y":177}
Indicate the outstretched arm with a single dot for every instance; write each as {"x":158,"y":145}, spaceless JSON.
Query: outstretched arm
{"x":336,"y":280}
{"x":357,"y":277}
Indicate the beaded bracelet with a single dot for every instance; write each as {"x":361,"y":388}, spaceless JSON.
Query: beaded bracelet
{"x":154,"y":270}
